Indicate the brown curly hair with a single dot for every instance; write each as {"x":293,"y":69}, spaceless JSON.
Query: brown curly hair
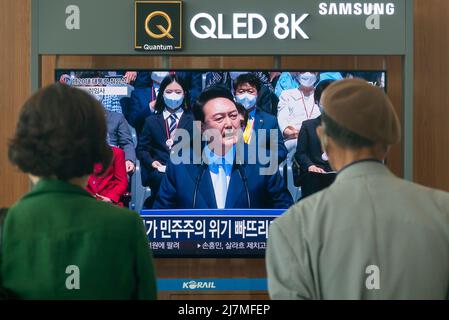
{"x":61,"y":133}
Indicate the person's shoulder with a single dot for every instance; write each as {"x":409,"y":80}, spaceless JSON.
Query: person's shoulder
{"x":152,"y":118}
{"x":310,"y":123}
{"x":268,"y":118}
{"x":290,"y":93}
{"x":264,"y":114}
{"x":114,"y":214}
{"x":89,"y":209}
{"x":441,"y":198}
{"x":184,"y":159}
{"x":306,"y":213}
{"x":422,"y":193}
{"x":188,"y":114}
{"x":114,"y":115}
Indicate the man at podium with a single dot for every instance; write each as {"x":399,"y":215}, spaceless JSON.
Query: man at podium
{"x":225,"y":177}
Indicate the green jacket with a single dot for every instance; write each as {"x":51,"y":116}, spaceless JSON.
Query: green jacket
{"x":58,"y":230}
{"x":370,"y":235}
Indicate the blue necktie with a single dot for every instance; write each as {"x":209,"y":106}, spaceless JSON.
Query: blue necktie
{"x":172,"y":125}
{"x":222,"y":185}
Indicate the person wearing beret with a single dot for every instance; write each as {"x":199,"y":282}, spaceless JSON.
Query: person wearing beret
{"x":370,"y":235}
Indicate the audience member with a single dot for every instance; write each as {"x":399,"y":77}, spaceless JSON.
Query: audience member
{"x":58,"y":242}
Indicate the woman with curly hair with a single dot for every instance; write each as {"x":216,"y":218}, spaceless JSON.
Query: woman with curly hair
{"x":58,"y":242}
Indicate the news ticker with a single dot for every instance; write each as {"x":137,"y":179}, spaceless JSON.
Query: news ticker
{"x":208,"y":231}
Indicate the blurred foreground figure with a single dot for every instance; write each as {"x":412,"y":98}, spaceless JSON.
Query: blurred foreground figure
{"x":370,"y":235}
{"x":58,"y":242}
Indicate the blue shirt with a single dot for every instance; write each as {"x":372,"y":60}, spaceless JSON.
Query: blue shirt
{"x":220,"y":178}
{"x":214,"y":160}
{"x":252,"y":114}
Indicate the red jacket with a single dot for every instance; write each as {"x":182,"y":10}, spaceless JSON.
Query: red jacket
{"x":114,"y":182}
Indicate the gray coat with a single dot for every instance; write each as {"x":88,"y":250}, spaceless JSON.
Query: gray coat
{"x":120,"y":135}
{"x":326,"y":246}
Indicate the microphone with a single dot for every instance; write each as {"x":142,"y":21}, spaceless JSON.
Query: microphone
{"x":197,"y":182}
{"x":242,"y":175}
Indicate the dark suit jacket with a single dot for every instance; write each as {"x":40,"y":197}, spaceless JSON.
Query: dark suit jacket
{"x":268,"y":101}
{"x":308,"y":150}
{"x":120,"y":135}
{"x":139,"y":107}
{"x":193,"y":82}
{"x":264,"y":120}
{"x":152,"y":142}
{"x":178,"y":188}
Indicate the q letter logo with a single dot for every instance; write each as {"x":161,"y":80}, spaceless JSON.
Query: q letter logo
{"x":158,"y":25}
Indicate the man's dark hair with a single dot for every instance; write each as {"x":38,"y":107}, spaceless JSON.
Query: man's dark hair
{"x":207,"y":95}
{"x":160,"y":104}
{"x":343,"y":137}
{"x":320,"y":88}
{"x":61,"y":133}
{"x":249,"y":78}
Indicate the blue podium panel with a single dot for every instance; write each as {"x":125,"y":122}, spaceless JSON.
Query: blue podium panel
{"x":208,"y":232}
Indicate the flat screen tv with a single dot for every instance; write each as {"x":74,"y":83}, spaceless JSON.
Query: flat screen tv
{"x":198,"y":228}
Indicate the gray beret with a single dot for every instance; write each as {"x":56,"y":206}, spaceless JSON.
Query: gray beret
{"x":363,"y":109}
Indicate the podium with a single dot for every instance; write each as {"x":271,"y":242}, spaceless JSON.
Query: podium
{"x":209,"y":253}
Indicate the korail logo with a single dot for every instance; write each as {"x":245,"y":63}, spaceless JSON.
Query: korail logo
{"x":194,"y":285}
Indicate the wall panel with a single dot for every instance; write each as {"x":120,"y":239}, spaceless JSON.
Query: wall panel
{"x":259,"y":62}
{"x":15,"y":60}
{"x":431,"y":99}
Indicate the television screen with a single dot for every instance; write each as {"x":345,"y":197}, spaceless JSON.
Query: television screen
{"x":208,"y":176}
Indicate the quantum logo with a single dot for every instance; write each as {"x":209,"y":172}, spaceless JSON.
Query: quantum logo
{"x":165,"y":31}
{"x":194,"y":285}
{"x":158,"y":25}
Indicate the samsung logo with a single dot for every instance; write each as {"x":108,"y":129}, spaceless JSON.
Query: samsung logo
{"x":193,"y":285}
{"x":357,"y":8}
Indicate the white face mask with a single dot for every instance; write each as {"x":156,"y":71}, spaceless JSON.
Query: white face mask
{"x":159,"y":76}
{"x":173,"y":100}
{"x":307,"y":79}
{"x":247,"y":100}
